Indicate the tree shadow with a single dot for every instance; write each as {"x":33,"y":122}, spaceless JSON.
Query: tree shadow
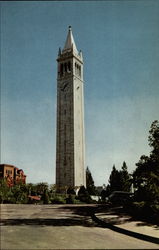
{"x":117,"y":215}
{"x":125,"y":231}
{"x":143,"y":223}
{"x":120,"y":218}
{"x":85,"y":216}
{"x":46,"y":222}
{"x":76,"y":217}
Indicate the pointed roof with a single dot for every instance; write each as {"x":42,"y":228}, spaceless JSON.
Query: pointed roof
{"x":70,"y":43}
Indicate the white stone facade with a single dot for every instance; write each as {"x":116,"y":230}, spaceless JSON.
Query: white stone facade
{"x":70,"y":139}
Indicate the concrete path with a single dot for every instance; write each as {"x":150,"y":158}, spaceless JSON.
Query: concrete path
{"x":60,"y":227}
{"x":117,"y":218}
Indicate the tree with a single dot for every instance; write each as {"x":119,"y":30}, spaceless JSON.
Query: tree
{"x":52,"y":188}
{"x":31,"y":189}
{"x":45,"y":197}
{"x":146,"y":175}
{"x":105,"y":193}
{"x":154,"y":143}
{"x":125,"y":178}
{"x":41,"y":188}
{"x":71,"y":190}
{"x":4,"y":190}
{"x":90,"y":183}
{"x":19,"y":194}
{"x":115,"y":180}
{"x":83,"y":195}
{"x":119,"y":180}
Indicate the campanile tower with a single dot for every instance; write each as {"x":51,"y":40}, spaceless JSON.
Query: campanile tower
{"x":70,"y":140}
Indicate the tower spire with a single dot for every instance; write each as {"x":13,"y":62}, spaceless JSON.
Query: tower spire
{"x":70,"y":43}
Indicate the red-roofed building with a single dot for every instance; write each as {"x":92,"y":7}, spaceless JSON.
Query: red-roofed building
{"x":12,"y":174}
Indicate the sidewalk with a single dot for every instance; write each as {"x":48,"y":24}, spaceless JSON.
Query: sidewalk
{"x":123,"y":223}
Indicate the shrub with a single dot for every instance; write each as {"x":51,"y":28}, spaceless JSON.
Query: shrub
{"x":145,"y":211}
{"x":58,"y":200}
{"x":45,"y":197}
{"x":69,"y":199}
{"x":71,"y":190}
{"x":84,"y":196}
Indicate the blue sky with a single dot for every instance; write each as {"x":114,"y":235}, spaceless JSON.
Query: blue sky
{"x":120,"y":45}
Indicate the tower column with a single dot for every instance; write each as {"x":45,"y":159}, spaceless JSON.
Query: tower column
{"x":70,"y":140}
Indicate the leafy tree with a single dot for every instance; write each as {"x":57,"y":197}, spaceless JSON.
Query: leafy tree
{"x":52,"y":188}
{"x":90,"y":182}
{"x":146,"y":175}
{"x":83,"y":195}
{"x":154,"y":143}
{"x":45,"y":197}
{"x":31,"y":189}
{"x":41,"y":187}
{"x":69,"y":199}
{"x":19,"y":194}
{"x":71,"y":190}
{"x":4,"y":190}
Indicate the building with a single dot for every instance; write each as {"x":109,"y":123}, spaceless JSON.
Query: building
{"x":70,"y":140}
{"x":20,"y":177}
{"x":12,"y":174}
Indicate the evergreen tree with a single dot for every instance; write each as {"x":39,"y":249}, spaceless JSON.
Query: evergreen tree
{"x":146,"y":175}
{"x":125,"y":178}
{"x":119,"y":180}
{"x":90,"y":183}
{"x":115,"y":180}
{"x":105,"y":193}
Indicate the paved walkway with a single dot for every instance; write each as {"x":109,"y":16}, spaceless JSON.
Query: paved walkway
{"x":119,"y":219}
{"x":63,"y":227}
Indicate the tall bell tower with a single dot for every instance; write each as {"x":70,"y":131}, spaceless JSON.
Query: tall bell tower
{"x":70,"y":139}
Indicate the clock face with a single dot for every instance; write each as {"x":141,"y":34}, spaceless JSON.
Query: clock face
{"x":64,"y":86}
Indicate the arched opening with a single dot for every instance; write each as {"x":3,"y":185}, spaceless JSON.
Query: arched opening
{"x":69,"y":66}
{"x":65,"y":66}
{"x":79,"y":70}
{"x":61,"y":69}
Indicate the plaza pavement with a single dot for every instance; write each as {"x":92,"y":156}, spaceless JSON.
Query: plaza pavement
{"x":73,"y":227}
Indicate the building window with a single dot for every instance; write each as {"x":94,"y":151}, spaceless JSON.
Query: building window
{"x":8,"y":171}
{"x":65,"y":66}
{"x":65,"y":160}
{"x":64,"y":145}
{"x":79,"y":70}
{"x":69,"y":66}
{"x":65,"y":130}
{"x":61,"y":68}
